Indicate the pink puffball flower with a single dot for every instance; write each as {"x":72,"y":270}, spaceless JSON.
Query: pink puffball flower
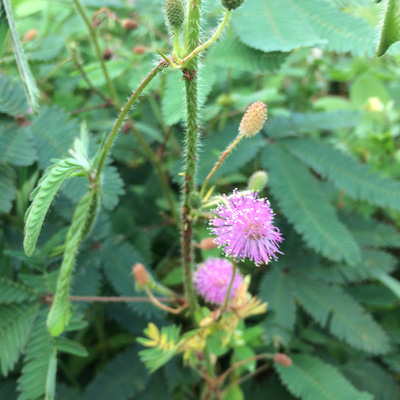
{"x":244,"y":226}
{"x":212,"y":278}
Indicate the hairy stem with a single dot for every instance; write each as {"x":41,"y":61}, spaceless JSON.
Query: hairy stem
{"x":93,"y":38}
{"x":123,"y":114}
{"x":230,"y":286}
{"x":191,"y":39}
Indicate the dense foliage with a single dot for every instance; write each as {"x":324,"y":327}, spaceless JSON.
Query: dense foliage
{"x":329,"y":147}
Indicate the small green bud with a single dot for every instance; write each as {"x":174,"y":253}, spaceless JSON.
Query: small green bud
{"x":232,"y":4}
{"x":174,"y":13}
{"x":258,"y":181}
{"x":195,"y":200}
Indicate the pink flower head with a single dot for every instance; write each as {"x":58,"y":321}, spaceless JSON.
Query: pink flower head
{"x":212,"y":279}
{"x":244,"y":226}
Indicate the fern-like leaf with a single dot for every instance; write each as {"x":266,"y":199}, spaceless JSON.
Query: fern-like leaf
{"x":23,"y":66}
{"x":122,"y":378}
{"x":304,"y":204}
{"x":342,"y":32}
{"x":347,"y":319}
{"x":390,"y":32}
{"x":43,"y":197}
{"x":60,"y":310}
{"x":39,"y":349}
{"x":312,"y":379}
{"x":8,"y":190}
{"x":54,"y":133}
{"x":17,"y":147}
{"x":233,"y":53}
{"x":12,"y":96}
{"x":346,"y":173}
{"x":13,"y":292}
{"x":15,"y":326}
{"x":279,"y":34}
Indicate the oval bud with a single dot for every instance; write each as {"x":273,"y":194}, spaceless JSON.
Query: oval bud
{"x":140,"y":274}
{"x":258,"y":181}
{"x":208,"y":244}
{"x":253,"y":119}
{"x":283,"y":359}
{"x":139,"y":49}
{"x":129,"y":24}
{"x":174,"y":13}
{"x":195,"y":200}
{"x":107,"y":54}
{"x":232,"y":4}
{"x":31,"y":35}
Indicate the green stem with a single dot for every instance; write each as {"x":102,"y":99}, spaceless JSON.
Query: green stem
{"x":230,"y":286}
{"x":123,"y":114}
{"x":220,"y":161}
{"x":93,"y":38}
{"x":210,"y":41}
{"x":192,"y":31}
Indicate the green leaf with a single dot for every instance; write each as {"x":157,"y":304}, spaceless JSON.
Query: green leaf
{"x":391,"y":283}
{"x":15,"y":326}
{"x":59,"y":314}
{"x":17,"y":147}
{"x":347,"y":319}
{"x":346,"y":173}
{"x":297,"y":123}
{"x":312,"y":379}
{"x":8,"y":190}
{"x":370,"y":377}
{"x":54,"y":133}
{"x":342,"y":32}
{"x":13,"y":292}
{"x":118,"y":260}
{"x":50,"y":391}
{"x":276,"y":288}
{"x":122,"y":378}
{"x":231,"y":52}
{"x":112,"y":187}
{"x":69,"y":346}
{"x":12,"y":96}
{"x":23,"y":66}
{"x":39,"y":349}
{"x":304,"y":204}
{"x":44,"y":194}
{"x":267,"y":25}
{"x":390,"y":32}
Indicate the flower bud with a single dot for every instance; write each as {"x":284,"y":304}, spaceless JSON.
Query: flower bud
{"x":232,"y":4}
{"x":140,"y":274}
{"x":195,"y":200}
{"x":253,"y":119}
{"x":208,"y":244}
{"x":107,"y":54}
{"x":31,"y":35}
{"x":139,"y":49}
{"x":258,"y":181}
{"x":174,"y":13}
{"x":283,"y":359}
{"x":129,"y":24}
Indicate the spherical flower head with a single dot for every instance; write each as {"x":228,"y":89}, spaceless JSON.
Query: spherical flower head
{"x":253,"y":119}
{"x":244,"y":226}
{"x":212,"y":279}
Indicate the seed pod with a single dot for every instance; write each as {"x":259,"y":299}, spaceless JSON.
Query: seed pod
{"x":232,"y":4}
{"x":258,"y":181}
{"x":140,"y":274}
{"x":174,"y":13}
{"x":283,"y":359}
{"x":253,"y":119}
{"x":129,"y":24}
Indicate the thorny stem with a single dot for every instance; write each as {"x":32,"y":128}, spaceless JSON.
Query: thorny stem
{"x":224,"y":154}
{"x":93,"y":38}
{"x":210,"y":41}
{"x":123,"y":114}
{"x":112,"y":299}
